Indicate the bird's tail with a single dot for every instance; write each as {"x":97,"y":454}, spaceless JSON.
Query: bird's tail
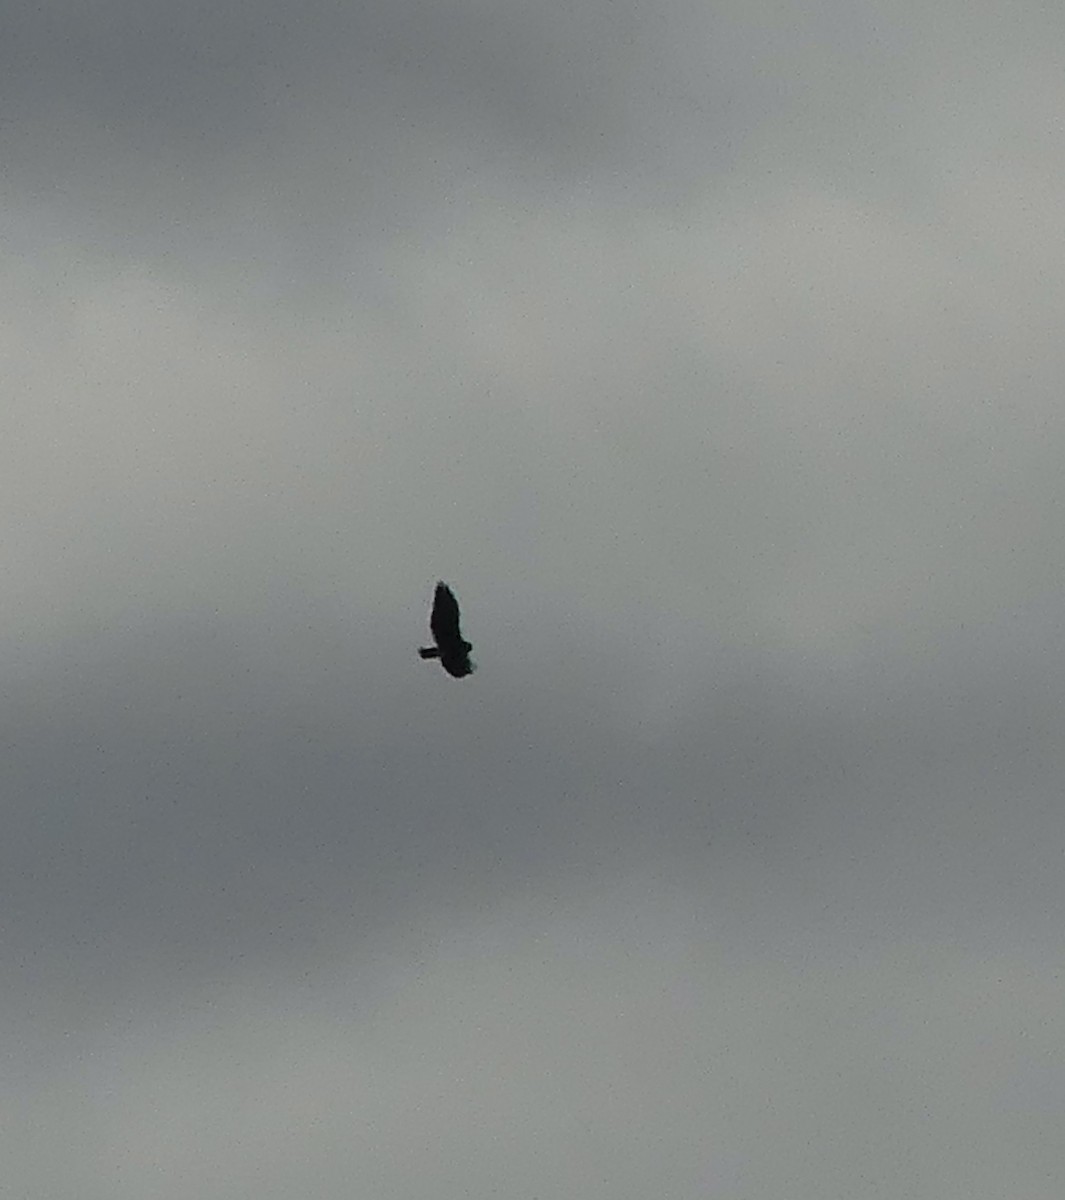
{"x":430,"y":652}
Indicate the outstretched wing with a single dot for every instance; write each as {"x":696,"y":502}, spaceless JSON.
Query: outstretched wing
{"x":444,"y":621}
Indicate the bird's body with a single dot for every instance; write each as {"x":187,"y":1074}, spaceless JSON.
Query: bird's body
{"x":451,"y":647}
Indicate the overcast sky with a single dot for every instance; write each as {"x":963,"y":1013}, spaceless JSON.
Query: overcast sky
{"x":714,"y":354}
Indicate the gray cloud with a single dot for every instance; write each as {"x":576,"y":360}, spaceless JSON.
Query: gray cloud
{"x":715,"y":359}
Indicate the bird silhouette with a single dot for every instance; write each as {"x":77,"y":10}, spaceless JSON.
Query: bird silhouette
{"x":451,"y":647}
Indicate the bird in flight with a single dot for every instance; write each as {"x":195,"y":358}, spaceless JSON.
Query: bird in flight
{"x":451,"y":647}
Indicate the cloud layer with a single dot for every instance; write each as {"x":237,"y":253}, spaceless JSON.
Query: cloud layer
{"x":714,"y":357}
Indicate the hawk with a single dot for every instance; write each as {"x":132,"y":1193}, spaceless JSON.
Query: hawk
{"x":451,"y":648}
